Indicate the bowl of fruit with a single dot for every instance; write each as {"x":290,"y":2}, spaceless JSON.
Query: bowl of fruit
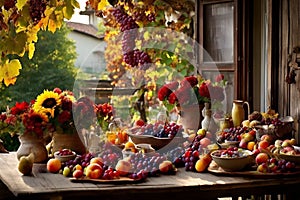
{"x":65,"y":155}
{"x":158,"y":135}
{"x":232,"y":158}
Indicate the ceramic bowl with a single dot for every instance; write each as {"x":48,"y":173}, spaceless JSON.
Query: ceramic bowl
{"x":232,"y":164}
{"x":155,"y":142}
{"x":64,"y":158}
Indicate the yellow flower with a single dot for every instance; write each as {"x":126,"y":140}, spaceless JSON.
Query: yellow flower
{"x":47,"y":102}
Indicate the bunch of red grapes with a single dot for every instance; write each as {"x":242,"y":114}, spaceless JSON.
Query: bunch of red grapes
{"x":83,"y":160}
{"x":191,"y":155}
{"x":65,"y":152}
{"x":231,"y":134}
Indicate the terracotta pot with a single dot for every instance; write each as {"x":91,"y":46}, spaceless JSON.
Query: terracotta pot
{"x":68,"y":141}
{"x":28,"y":144}
{"x":190,"y":116}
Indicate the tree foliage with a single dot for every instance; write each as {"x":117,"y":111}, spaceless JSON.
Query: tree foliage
{"x":51,"y":66}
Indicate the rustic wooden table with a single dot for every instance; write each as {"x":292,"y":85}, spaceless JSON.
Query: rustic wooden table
{"x":183,"y":185}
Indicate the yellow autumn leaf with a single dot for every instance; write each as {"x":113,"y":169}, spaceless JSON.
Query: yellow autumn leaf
{"x":52,"y":26}
{"x":20,"y":4}
{"x":9,"y":71}
{"x":103,"y":4}
{"x":31,"y":49}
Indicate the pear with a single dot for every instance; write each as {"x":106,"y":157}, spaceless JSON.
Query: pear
{"x":25,"y":164}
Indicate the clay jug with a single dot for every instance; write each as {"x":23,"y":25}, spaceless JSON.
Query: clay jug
{"x":238,"y":112}
{"x":71,"y":141}
{"x":31,"y":144}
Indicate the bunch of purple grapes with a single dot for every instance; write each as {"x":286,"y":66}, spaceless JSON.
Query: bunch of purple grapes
{"x":146,"y":164}
{"x":36,"y":9}
{"x":132,"y":56}
{"x":168,"y":130}
{"x":175,"y":155}
{"x":110,"y":155}
{"x":231,"y":134}
{"x":83,"y":160}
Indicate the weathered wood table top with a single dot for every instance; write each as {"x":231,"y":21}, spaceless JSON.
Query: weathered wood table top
{"x":183,"y":185}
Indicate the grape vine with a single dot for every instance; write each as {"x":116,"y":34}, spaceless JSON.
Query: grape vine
{"x":20,"y":22}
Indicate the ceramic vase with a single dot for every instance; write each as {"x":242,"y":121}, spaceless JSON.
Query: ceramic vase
{"x":30,"y":143}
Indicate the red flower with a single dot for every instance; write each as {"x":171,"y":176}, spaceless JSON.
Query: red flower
{"x":204,"y":90}
{"x":64,"y":116}
{"x":172,"y":98}
{"x":190,"y":81}
{"x":219,"y":78}
{"x":19,"y":108}
{"x":166,"y":90}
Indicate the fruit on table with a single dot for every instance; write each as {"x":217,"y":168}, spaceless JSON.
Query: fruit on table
{"x":97,"y":160}
{"x":261,"y":158}
{"x":123,"y":167}
{"x":166,"y":166}
{"x":53,"y":165}
{"x":77,"y":173}
{"x":66,"y":171}
{"x":93,"y":171}
{"x":201,"y":132}
{"x":202,"y":164}
{"x":25,"y":164}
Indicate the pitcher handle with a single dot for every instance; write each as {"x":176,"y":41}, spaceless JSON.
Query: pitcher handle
{"x":248,"y":106}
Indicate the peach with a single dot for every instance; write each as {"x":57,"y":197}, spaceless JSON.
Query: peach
{"x":53,"y":165}
{"x":93,"y":171}
{"x":204,"y":142}
{"x":263,"y":144}
{"x":261,"y":158}
{"x":97,"y":160}
{"x":123,"y":167}
{"x":166,"y":166}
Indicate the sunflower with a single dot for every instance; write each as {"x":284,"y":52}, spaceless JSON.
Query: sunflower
{"x":47,"y":102}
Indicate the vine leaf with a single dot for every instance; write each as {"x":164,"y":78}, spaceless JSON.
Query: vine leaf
{"x":9,"y":71}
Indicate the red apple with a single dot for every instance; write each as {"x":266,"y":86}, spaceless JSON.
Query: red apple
{"x":94,"y":171}
{"x":77,"y":173}
{"x":123,"y":167}
{"x":261,"y":158}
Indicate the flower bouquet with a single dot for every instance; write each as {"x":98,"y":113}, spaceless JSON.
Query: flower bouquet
{"x":189,"y":95}
{"x":31,"y":127}
{"x":67,"y":117}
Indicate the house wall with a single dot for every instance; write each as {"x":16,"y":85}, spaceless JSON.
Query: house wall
{"x":289,"y":37}
{"x":90,"y":52}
